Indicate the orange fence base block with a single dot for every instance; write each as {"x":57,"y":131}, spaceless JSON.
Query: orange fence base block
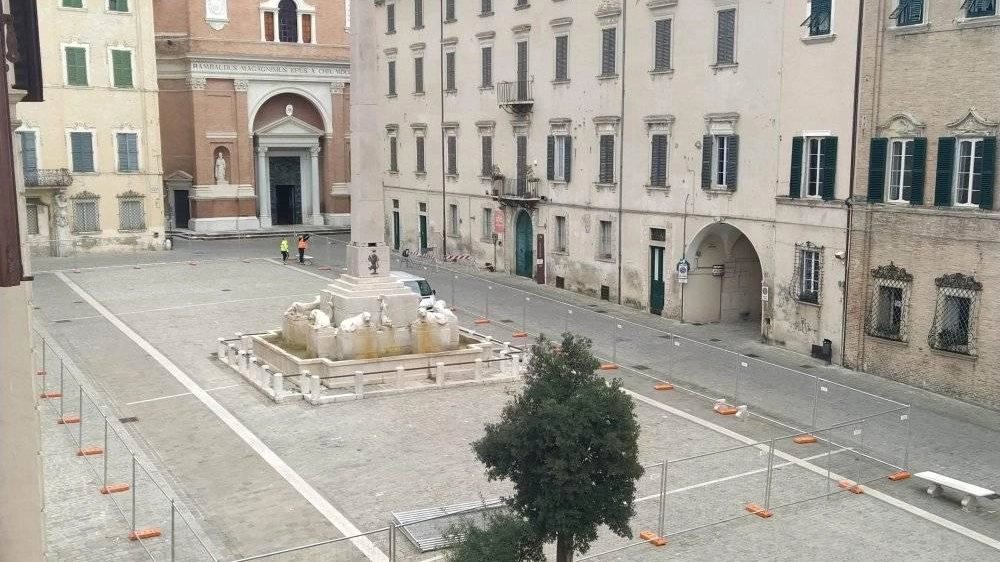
{"x":659,"y":541}
{"x":89,"y":451}
{"x":608,"y":366}
{"x":804,"y":439}
{"x":901,"y":475}
{"x":665,"y":386}
{"x":40,"y":372}
{"x":323,"y":268}
{"x":852,"y":488}
{"x":482,"y":320}
{"x":725,"y":410}
{"x":647,"y":535}
{"x":68,"y":419}
{"x":652,"y":538}
{"x":114,"y":488}
{"x":757,"y":510}
{"x":519,"y":334}
{"x":50,"y":395}
{"x":143,"y":534}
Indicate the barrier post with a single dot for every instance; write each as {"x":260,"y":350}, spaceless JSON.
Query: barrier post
{"x":663,"y":499}
{"x":359,"y":384}
{"x":478,"y":370}
{"x":317,"y":388}
{"x":815,"y":403}
{"x":133,"y":494}
{"x":770,"y":474}
{"x":172,"y":533}
{"x":400,"y":371}
{"x":61,"y":365}
{"x":906,"y":451}
{"x":79,"y":390}
{"x":106,"y":454}
{"x":439,"y":373}
{"x":569,"y":312}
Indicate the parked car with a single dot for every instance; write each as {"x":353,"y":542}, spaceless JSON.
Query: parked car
{"x":418,"y":285}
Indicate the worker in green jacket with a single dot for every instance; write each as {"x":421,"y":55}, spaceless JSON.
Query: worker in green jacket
{"x":284,"y":250}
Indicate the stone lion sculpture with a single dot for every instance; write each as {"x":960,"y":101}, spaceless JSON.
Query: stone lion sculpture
{"x":319,"y":319}
{"x":354,"y":322}
{"x":439,"y":314}
{"x":304,"y":307}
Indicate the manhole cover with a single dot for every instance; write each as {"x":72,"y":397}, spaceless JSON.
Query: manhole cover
{"x":77,"y":302}
{"x":129,"y":419}
{"x":62,"y":321}
{"x":754,"y":355}
{"x":226,"y":290}
{"x":715,"y":339}
{"x":641,"y":367}
{"x":805,"y":366}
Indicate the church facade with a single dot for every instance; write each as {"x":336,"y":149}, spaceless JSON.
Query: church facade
{"x":254,"y":112}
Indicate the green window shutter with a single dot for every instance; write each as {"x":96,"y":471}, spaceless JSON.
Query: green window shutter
{"x":29,"y":153}
{"x":449,"y":10}
{"x":725,"y":41}
{"x":987,"y":179}
{"x":912,"y":13}
{"x":76,"y":66}
{"x":562,"y":57}
{"x":567,"y":156}
{"x":82,"y":149}
{"x":449,"y":67}
{"x":390,"y":17}
{"x":420,"y":154}
{"x":418,"y":13}
{"x":919,"y":171}
{"x":452,"y":156}
{"x":550,"y":169}
{"x":122,"y":63}
{"x":608,"y":43}
{"x":487,"y":66}
{"x":877,"y":154}
{"x":945,"y":170}
{"x":486,"y":153}
{"x":706,"y":161}
{"x":829,"y":173}
{"x":661,"y":53}
{"x":607,"y":159}
{"x":72,"y":3}
{"x":392,"y":78}
{"x":795,"y":175}
{"x":732,"y":161}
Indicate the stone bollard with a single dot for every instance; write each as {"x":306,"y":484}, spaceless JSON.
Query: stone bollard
{"x":239,"y":339}
{"x":254,"y":370}
{"x":317,"y":388}
{"x":439,"y":373}
{"x":221,"y":350}
{"x":304,"y":382}
{"x":515,"y":364}
{"x":478,"y":370}
{"x":278,"y":384}
{"x":400,"y":373}
{"x":359,"y":384}
{"x":506,"y":347}
{"x":266,"y":379}
{"x":245,"y":343}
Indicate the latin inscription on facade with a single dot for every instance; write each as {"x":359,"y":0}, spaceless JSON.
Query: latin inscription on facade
{"x":210,"y":68}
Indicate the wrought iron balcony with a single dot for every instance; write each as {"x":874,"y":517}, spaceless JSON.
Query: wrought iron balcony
{"x":515,"y":97}
{"x":522,"y":191}
{"x":57,"y":177}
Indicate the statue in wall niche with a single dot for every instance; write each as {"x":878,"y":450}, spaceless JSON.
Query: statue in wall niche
{"x":62,"y":217}
{"x":354,"y":322}
{"x":220,"y":169}
{"x":439,"y":314}
{"x":318,"y":319}
{"x":303,"y":307}
{"x":383,"y":313}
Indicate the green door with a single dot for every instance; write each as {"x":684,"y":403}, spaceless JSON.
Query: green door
{"x":524,"y":259}
{"x":395,"y":230}
{"x":423,"y":233}
{"x":656,"y":284}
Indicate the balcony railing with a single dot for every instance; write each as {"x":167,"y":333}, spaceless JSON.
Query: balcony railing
{"x":521,"y":190}
{"x":57,"y":177}
{"x":516,"y":96}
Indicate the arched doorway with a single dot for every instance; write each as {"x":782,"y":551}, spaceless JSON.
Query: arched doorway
{"x":724,"y":281}
{"x":524,"y":259}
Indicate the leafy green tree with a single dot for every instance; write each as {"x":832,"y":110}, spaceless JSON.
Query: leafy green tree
{"x":503,"y":537}
{"x":569,"y":444}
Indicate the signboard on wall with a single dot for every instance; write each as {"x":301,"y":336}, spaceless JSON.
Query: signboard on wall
{"x":498,"y":221}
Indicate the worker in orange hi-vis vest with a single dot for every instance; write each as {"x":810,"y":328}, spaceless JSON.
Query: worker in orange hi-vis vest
{"x":303,"y":246}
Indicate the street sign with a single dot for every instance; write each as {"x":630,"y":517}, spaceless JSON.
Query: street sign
{"x":498,"y":221}
{"x":682,"y":271}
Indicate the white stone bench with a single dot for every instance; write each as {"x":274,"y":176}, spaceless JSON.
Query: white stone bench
{"x":971,"y":492}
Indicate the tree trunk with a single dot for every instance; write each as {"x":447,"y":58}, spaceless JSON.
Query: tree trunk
{"x":564,"y":552}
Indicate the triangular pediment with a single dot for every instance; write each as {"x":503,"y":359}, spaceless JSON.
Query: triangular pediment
{"x":974,"y":124}
{"x":178,"y":175}
{"x":289,"y":126}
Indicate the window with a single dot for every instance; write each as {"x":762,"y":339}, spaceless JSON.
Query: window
{"x":606,"y":250}
{"x":390,"y":18}
{"x":720,"y":156}
{"x":725,"y":37}
{"x":288,"y":26}
{"x":418,"y":14}
{"x":487,"y":154}
{"x":392,"y":77}
{"x":561,"y":234}
{"x":449,"y":10}
{"x":420,"y":155}
{"x":896,"y":170}
{"x":954,"y":323}
{"x":486,"y":8}
{"x":487,"y":226}
{"x":889,"y":302}
{"x":393,"y":154}
{"x":268,"y":26}
{"x":117,"y":5}
{"x":562,"y":58}
{"x":418,"y":75}
{"x":968,"y":171}
{"x":521,"y":153}
{"x":31,"y":211}
{"x":559,"y":161}
{"x":606,"y":172}
{"x":452,"y":155}
{"x":128,"y":151}
{"x":72,"y":3}
{"x":85,"y":216}
{"x":808,"y":273}
{"x":449,"y":69}
{"x":900,"y":170}
{"x":908,"y":12}
{"x":658,"y":161}
{"x":820,"y":17}
{"x":814,"y":167}
{"x":979,"y":8}
{"x":661,"y":46}
{"x":29,"y":154}
{"x":131,"y":212}
{"x":487,"y":78}
{"x":307,"y":28}
{"x":520,"y":4}
{"x":76,"y":66}
{"x":609,"y":40}
{"x":453,"y":219}
{"x":82,"y":151}
{"x":121,"y":63}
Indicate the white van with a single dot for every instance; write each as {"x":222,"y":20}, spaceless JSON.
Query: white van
{"x":418,"y":285}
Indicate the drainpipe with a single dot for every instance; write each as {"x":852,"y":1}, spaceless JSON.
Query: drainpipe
{"x":621,"y":146}
{"x":444,"y":157}
{"x":849,"y":202}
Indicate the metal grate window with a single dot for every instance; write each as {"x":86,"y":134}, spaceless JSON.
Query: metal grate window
{"x":31,"y":208}
{"x":890,"y":301}
{"x":606,"y":250}
{"x":955,"y":314}
{"x":808,"y":273}
{"x":487,"y":225}
{"x":131,"y":213}
{"x":85,"y":215}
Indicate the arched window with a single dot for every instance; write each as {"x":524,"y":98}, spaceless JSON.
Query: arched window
{"x":288,"y":25}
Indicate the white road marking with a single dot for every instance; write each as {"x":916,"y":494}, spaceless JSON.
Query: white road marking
{"x":178,"y":395}
{"x":338,"y":519}
{"x":912,"y":509}
{"x":194,"y":305}
{"x":733,"y":477}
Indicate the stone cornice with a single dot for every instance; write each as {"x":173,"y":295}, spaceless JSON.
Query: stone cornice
{"x":892,"y":272}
